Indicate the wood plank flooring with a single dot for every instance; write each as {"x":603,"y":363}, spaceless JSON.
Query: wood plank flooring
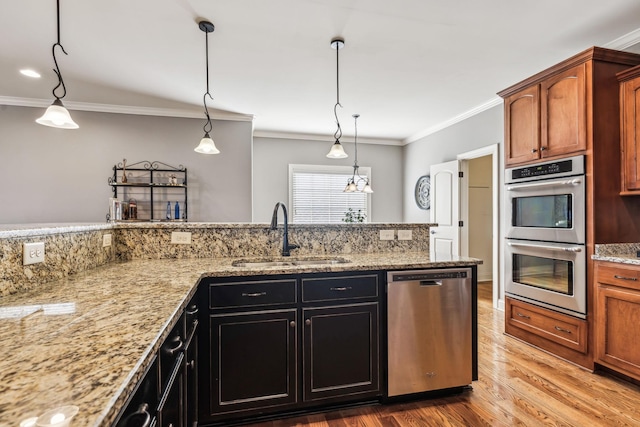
{"x":518,"y":386}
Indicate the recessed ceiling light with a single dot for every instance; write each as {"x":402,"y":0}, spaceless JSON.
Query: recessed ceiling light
{"x":30,"y":73}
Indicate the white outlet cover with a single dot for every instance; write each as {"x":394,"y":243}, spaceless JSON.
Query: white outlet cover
{"x":405,"y":235}
{"x":387,"y":234}
{"x":106,"y":240}
{"x":32,"y":253}
{"x":181,"y":237}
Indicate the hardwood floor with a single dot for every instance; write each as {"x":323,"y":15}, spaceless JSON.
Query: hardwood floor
{"x":518,"y":386}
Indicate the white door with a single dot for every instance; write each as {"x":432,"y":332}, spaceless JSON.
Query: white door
{"x":445,"y":207}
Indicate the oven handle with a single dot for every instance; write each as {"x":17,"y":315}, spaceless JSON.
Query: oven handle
{"x":552,"y":248}
{"x":574,"y":182}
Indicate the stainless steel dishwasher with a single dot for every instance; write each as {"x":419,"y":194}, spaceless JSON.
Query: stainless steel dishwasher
{"x":430,"y":330}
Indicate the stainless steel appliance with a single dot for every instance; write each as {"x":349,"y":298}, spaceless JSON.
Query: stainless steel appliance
{"x":547,"y":201}
{"x":545,"y":253}
{"x":430,"y":330}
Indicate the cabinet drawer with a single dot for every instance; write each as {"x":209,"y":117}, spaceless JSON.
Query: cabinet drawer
{"x":338,"y":288}
{"x":562,"y":329}
{"x":625,"y":276}
{"x":258,"y":293}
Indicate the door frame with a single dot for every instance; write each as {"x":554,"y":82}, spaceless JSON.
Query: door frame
{"x":493,"y":151}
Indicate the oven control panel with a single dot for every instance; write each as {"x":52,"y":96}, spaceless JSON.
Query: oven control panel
{"x":566,"y":167}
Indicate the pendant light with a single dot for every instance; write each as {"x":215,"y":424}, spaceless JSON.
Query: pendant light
{"x":337,"y":152}
{"x":206,"y":146}
{"x":56,"y":115}
{"x":352,"y":184}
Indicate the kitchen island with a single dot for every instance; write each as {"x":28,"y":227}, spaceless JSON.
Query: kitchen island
{"x":88,"y":338}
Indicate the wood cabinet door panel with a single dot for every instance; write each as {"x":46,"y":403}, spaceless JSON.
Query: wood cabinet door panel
{"x":341,"y":351}
{"x":563,"y":115}
{"x":522,"y":126}
{"x":630,"y":100}
{"x":617,"y":332}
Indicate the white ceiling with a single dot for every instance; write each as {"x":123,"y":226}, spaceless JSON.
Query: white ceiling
{"x":407,"y":67}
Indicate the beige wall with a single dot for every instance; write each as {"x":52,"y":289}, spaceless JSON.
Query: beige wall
{"x":481,"y":214}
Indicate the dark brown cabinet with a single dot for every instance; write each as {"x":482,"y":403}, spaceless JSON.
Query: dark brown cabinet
{"x":630,"y":130}
{"x":284,"y":343}
{"x":617,"y":317}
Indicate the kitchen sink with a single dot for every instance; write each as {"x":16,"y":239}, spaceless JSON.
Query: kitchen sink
{"x":257,"y":263}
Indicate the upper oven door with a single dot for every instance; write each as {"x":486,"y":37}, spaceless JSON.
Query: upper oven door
{"x":549,"y":210}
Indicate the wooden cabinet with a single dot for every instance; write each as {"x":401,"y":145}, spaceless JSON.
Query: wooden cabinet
{"x":284,"y":343}
{"x":560,"y":334}
{"x":630,"y":130}
{"x":547,"y":119}
{"x":618,"y":317}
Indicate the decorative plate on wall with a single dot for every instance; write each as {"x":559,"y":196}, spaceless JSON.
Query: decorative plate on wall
{"x":422,"y":192}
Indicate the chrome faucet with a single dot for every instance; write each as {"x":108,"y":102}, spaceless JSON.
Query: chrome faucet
{"x":286,"y":247}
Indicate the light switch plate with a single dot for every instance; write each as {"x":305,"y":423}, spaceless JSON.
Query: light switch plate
{"x":387,"y":234}
{"x":405,"y":235}
{"x":32,"y":253}
{"x":106,"y":240}
{"x":181,"y":237}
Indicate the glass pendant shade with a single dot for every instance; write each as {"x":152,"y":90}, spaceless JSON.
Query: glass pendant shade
{"x":351,"y":188}
{"x":337,"y":152}
{"x":367,"y":188}
{"x":57,"y":116}
{"x":206,"y":146}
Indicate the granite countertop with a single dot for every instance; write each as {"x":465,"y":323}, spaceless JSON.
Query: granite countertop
{"x":87,"y":339}
{"x":622,"y":253}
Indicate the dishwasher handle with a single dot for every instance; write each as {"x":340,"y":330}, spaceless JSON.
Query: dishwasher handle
{"x":430,"y":282}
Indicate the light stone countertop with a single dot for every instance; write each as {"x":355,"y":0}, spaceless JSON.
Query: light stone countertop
{"x":622,"y":253}
{"x":87,"y":339}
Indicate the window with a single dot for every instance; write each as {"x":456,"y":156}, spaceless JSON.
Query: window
{"x":316,"y":194}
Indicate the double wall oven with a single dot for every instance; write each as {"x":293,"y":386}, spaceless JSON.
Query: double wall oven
{"x":545,"y":253}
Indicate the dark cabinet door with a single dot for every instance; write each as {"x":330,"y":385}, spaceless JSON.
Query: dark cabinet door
{"x":341,"y":351}
{"x":191,"y":381}
{"x":252,"y":360}
{"x":171,"y":409}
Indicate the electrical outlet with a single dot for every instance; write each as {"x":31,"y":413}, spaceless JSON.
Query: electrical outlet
{"x":387,"y":234}
{"x":181,"y":237}
{"x":405,"y":235}
{"x":106,"y":240}
{"x":32,"y":253}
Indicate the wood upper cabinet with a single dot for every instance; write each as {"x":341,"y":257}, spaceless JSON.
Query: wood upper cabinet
{"x":547,"y":119}
{"x":563,"y":114}
{"x":630,"y":130}
{"x":617,"y":317}
{"x":522,"y":125}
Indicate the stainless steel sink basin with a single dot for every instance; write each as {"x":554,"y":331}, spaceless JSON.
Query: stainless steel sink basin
{"x":292,"y":262}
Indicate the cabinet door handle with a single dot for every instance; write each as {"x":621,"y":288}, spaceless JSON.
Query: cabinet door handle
{"x":254,"y":294}
{"x":292,"y":324}
{"x":341,"y":288}
{"x":307,"y":322}
{"x":558,"y":328}
{"x":523,"y":315}
{"x":634,"y":279}
{"x":543,"y":148}
{"x":191,"y":364}
{"x":533,"y":150}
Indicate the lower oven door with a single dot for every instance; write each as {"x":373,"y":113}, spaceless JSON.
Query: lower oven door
{"x":549,"y":274}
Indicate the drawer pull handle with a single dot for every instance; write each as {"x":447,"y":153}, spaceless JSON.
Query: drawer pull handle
{"x":342,"y":288}
{"x":191,"y":364}
{"x":173,"y":350}
{"x":254,"y":294}
{"x":192,"y":310}
{"x":558,"y":328}
{"x":523,"y":315}
{"x":635,"y":279}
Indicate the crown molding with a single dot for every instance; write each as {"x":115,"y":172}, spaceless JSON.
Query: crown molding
{"x":328,"y":139}
{"x":625,"y":41}
{"x":452,"y":121}
{"x":125,"y":109}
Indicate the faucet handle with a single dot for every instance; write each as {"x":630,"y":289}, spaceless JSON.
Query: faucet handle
{"x":294,"y":246}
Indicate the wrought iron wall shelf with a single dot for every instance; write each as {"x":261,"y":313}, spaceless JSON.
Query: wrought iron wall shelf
{"x":148,"y":191}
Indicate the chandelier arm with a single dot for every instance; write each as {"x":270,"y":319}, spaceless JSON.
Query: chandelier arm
{"x":57,"y":71}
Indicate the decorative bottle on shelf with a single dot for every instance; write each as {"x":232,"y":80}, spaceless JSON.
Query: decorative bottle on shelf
{"x":168,"y":210}
{"x":177,"y":211}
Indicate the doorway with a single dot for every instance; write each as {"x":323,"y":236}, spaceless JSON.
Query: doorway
{"x":479,"y":211}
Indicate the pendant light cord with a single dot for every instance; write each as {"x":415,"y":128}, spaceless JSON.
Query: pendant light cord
{"x":207,"y":126}
{"x":338,"y":134}
{"x":55,"y":61}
